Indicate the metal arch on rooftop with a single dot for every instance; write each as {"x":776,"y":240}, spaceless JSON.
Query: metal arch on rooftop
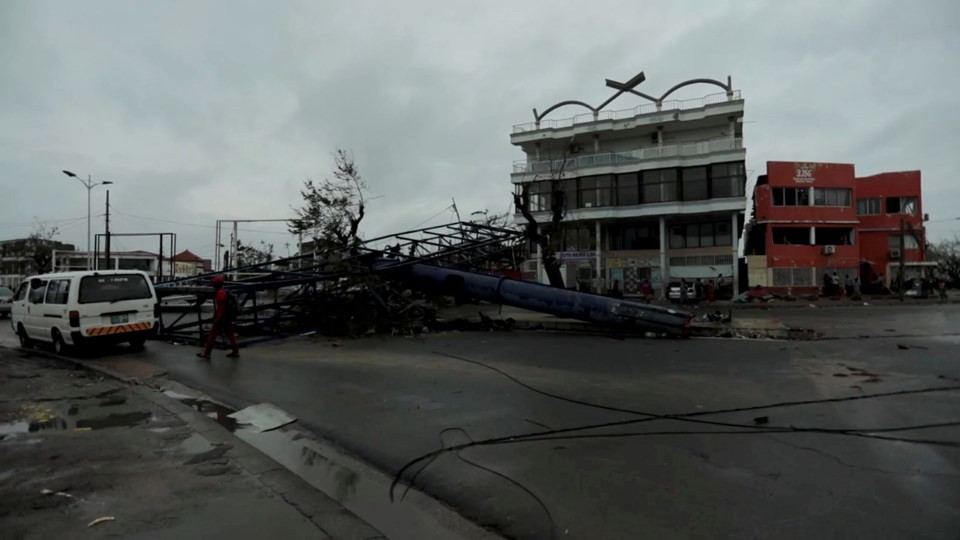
{"x":629,"y":87}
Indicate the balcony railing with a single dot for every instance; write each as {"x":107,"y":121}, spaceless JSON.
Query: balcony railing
{"x":629,"y":157}
{"x":626,"y":114}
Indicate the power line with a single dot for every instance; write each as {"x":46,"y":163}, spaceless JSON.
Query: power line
{"x":431,"y":218}
{"x":740,"y":429}
{"x":60,"y":222}
{"x":196,"y":224}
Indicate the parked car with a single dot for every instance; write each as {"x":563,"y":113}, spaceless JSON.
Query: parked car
{"x":6,"y":301}
{"x":85,"y":309}
{"x":673,"y":292}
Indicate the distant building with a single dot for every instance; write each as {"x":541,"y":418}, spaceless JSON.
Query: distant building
{"x":71,"y":261}
{"x":653,"y":192}
{"x":22,"y":257}
{"x":812,"y":219}
{"x":187,"y":264}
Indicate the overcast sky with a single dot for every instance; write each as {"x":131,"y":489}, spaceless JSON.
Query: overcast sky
{"x":206,"y":110}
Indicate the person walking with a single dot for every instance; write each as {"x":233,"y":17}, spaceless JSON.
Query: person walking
{"x":615,"y":292}
{"x":647,"y":290}
{"x":942,"y":288}
{"x":224,"y":313}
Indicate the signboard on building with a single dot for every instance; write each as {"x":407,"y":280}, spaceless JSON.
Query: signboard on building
{"x":577,"y":255}
{"x":803,"y":173}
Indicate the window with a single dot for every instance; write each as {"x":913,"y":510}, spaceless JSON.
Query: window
{"x":694,"y":235}
{"x":628,"y":189}
{"x":569,"y":188}
{"x":791,"y":236}
{"x":902,"y":205}
{"x":579,"y":239}
{"x":596,"y":191}
{"x":626,"y":237}
{"x":22,"y":292}
{"x":831,"y":197}
{"x":676,"y":237}
{"x":727,"y":180}
{"x":36,"y":293}
{"x":868,"y":207}
{"x":694,"y":183}
{"x":539,"y":196}
{"x":113,"y":288}
{"x":58,"y":292}
{"x":791,"y":196}
{"x":834,"y":236}
{"x":909,"y":242}
{"x":660,"y":186}
{"x":605,"y":190}
{"x":588,"y":192}
{"x":706,"y":235}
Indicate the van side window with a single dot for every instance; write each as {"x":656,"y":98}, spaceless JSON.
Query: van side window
{"x":36,"y":294}
{"x":22,"y":292}
{"x":58,"y":292}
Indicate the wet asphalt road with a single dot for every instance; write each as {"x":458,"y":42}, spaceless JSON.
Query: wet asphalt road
{"x":389,"y":400}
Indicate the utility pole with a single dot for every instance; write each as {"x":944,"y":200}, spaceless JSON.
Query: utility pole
{"x":107,"y":226}
{"x":903,"y":257}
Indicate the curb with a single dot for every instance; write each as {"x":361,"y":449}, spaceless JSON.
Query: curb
{"x":103,"y":370}
{"x":326,"y":514}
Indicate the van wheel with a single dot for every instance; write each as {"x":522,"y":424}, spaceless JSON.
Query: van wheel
{"x":138,"y":343}
{"x":59,"y":346}
{"x":25,"y":340}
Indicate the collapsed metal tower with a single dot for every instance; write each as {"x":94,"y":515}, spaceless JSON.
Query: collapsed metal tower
{"x":470,"y":261}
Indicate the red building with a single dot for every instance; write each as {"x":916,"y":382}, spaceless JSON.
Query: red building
{"x":812,"y":219}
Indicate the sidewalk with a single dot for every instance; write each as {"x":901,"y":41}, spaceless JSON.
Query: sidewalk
{"x":83,"y":456}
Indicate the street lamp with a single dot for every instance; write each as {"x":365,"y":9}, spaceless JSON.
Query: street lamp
{"x":89,"y":184}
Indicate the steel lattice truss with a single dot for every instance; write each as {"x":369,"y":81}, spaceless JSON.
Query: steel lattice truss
{"x":277,"y":294}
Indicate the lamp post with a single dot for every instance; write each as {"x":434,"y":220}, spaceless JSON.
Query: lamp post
{"x":89,"y":184}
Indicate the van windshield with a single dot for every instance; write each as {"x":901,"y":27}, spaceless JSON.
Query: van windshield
{"x":114,"y":288}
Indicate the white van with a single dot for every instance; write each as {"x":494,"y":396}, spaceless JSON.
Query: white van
{"x":86,"y":308}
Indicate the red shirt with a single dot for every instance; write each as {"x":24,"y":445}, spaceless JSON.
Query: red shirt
{"x":220,"y":303}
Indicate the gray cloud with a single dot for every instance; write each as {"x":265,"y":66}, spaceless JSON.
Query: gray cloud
{"x":211,"y":110}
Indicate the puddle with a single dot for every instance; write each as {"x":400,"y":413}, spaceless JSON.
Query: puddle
{"x":114,"y":420}
{"x":49,"y":421}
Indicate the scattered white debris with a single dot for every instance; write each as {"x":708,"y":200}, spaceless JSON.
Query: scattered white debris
{"x":263,"y":417}
{"x":100,"y":520}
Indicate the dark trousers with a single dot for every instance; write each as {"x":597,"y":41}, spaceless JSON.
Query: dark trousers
{"x":225,"y":327}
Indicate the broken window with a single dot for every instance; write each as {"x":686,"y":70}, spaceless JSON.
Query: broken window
{"x":902,"y":205}
{"x":834,"y":236}
{"x":791,"y":236}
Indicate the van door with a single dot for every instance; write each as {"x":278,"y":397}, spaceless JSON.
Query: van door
{"x":54,"y":308}
{"x":33,"y":321}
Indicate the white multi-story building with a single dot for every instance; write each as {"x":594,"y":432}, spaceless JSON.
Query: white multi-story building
{"x":653,"y":192}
